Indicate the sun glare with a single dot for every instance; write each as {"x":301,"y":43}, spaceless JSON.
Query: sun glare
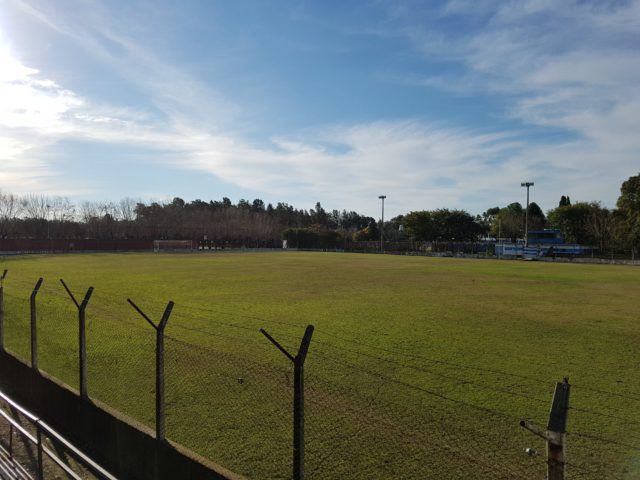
{"x":27,"y":101}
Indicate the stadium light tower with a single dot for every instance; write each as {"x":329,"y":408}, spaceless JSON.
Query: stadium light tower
{"x":382,"y":197}
{"x":526,"y":214}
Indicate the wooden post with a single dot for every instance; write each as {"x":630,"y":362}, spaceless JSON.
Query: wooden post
{"x":555,"y":435}
{"x":34,"y":328}
{"x":160,"y":400}
{"x":557,"y":429}
{"x":4,"y":274}
{"x":82,"y":338}
{"x":298,"y":398}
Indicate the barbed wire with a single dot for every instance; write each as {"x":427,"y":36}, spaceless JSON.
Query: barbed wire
{"x":400,"y":414}
{"x":208,"y":310}
{"x":608,"y":441}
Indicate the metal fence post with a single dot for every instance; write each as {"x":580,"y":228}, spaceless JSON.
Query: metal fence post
{"x":4,"y":274}
{"x":298,"y":398}
{"x":556,"y":432}
{"x":160,"y":400}
{"x":34,"y":327}
{"x":82,"y":337}
{"x":40,"y":473}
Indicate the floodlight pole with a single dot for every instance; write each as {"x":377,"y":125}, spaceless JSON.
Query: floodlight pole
{"x":382,"y":197}
{"x":526,"y":214}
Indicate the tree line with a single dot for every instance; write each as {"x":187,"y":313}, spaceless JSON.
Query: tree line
{"x":252,"y":223}
{"x":217,"y":222}
{"x":585,"y":223}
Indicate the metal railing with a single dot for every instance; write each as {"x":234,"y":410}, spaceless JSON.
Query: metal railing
{"x":45,"y":431}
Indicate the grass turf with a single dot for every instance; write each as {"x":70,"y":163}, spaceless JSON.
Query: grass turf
{"x":418,"y":368}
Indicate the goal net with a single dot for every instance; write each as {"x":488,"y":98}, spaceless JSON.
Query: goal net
{"x":172,"y":245}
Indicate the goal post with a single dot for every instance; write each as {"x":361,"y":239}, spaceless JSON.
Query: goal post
{"x":172,"y":246}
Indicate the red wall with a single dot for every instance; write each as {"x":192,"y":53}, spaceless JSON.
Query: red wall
{"x":65,"y":245}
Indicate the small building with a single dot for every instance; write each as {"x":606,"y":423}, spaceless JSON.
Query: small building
{"x":540,"y":243}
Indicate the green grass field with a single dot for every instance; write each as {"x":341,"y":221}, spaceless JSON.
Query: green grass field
{"x":418,"y":368}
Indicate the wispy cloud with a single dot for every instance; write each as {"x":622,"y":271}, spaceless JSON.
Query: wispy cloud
{"x":569,"y":67}
{"x":327,"y":162}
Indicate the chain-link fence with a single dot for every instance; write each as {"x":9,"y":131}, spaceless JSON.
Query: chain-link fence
{"x":371,"y":411}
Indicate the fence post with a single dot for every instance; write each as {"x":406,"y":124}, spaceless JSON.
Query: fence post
{"x":298,"y":398}
{"x":557,"y":428}
{"x":40,"y":473}
{"x":82,"y":337}
{"x":160,"y":401}
{"x":34,"y":329}
{"x":555,"y":435}
{"x":4,"y":275}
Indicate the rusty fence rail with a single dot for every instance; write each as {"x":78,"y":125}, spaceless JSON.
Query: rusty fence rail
{"x":45,"y":431}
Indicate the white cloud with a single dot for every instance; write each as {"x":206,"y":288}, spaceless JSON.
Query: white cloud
{"x":571,"y":67}
{"x":570,"y":73}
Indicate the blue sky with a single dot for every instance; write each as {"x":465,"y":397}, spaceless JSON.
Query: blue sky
{"x":434,"y":104}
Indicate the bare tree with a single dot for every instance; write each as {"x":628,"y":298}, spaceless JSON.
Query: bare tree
{"x":127,"y":209}
{"x":36,"y":206}
{"x":9,"y":209}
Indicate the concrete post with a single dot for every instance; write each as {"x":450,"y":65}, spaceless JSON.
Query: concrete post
{"x":82,"y":338}
{"x":4,"y":275}
{"x":556,"y":432}
{"x":298,"y":398}
{"x":160,"y":400}
{"x":34,"y":327}
{"x":298,"y":405}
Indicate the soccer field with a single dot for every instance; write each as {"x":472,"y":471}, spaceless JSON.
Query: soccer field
{"x":418,"y":367}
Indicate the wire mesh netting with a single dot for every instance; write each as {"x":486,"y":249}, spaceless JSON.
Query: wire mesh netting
{"x":371,"y":410}
{"x":17,"y":323}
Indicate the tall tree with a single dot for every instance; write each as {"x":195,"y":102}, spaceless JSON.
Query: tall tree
{"x":573,"y":222}
{"x":509,"y":222}
{"x":420,"y":225}
{"x":442,"y":224}
{"x":9,"y":210}
{"x":629,"y":210}
{"x":537,"y":220}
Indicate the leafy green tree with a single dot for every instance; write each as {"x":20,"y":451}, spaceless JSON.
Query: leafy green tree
{"x":601,"y":225}
{"x":419,"y":225}
{"x":509,"y":222}
{"x":580,"y":223}
{"x":257,"y":205}
{"x":442,"y":224}
{"x":456,"y":225}
{"x":319,"y":215}
{"x":629,"y":211}
{"x":488,"y":218}
{"x":369,"y":233}
{"x":537,"y":220}
{"x":564,"y":201}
